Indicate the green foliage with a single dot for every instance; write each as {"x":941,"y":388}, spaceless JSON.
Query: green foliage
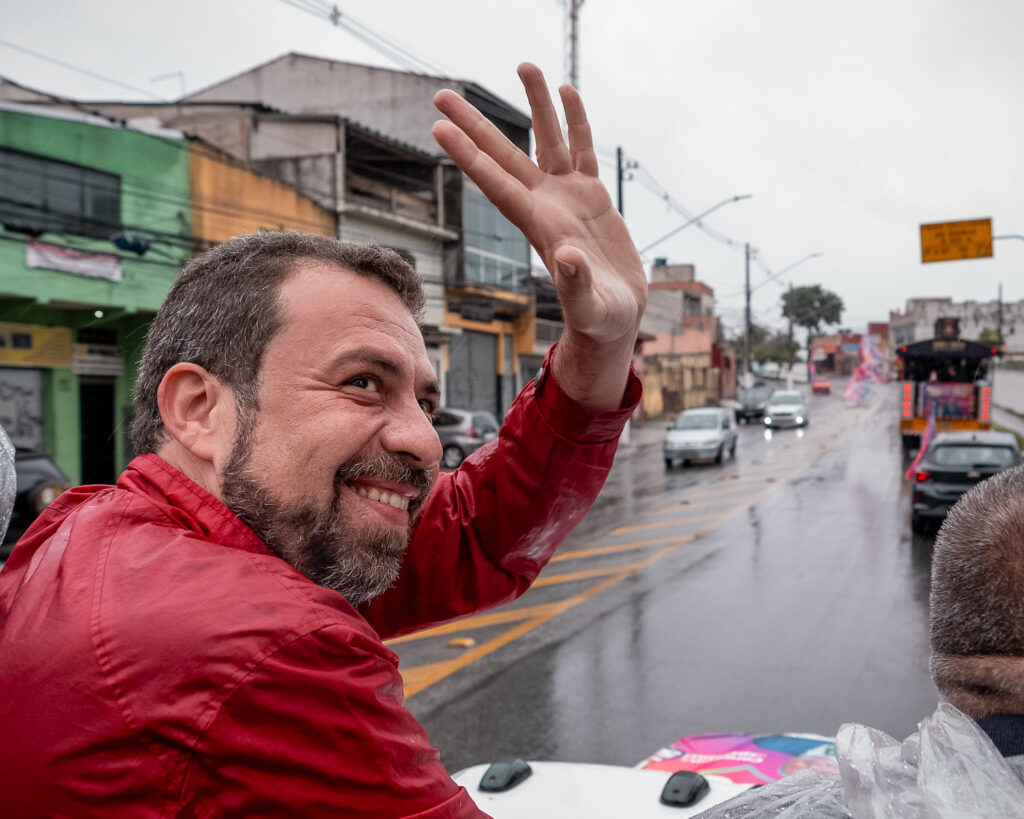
{"x":990,"y":335}
{"x":758,"y":335}
{"x":777,"y":347}
{"x":812,"y":306}
{"x":764,"y":344}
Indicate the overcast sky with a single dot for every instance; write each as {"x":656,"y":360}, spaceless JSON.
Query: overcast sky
{"x":851,"y":124}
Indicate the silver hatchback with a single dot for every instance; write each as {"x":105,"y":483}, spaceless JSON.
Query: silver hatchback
{"x":704,"y":433}
{"x":786,"y":408}
{"x":462,"y":432}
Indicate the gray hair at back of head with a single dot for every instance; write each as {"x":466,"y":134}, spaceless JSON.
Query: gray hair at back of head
{"x":223,"y":310}
{"x":977,"y":596}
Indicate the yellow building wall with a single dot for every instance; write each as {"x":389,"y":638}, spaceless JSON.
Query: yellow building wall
{"x":229,"y":199}
{"x":497,"y":327}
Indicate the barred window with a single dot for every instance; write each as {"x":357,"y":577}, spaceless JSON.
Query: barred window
{"x":43,"y":195}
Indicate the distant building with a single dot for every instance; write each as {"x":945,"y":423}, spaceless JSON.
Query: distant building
{"x":95,"y":222}
{"x":97,"y":216}
{"x":686,"y":362}
{"x":916,"y":322}
{"x":836,"y":354}
{"x":878,"y":333}
{"x":356,"y":139}
{"x":483,"y":260}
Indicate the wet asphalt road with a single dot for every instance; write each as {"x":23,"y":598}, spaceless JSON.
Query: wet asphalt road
{"x":781,"y":591}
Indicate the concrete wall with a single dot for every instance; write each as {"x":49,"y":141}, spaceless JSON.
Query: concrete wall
{"x":395,"y":103}
{"x":229,"y":199}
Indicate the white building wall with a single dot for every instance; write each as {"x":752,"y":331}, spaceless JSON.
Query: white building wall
{"x":355,"y":228}
{"x":917,"y":321}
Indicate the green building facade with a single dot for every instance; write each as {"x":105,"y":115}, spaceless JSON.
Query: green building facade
{"x":95,"y":222}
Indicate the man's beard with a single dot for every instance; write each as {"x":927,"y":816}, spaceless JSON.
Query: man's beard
{"x":329,"y":544}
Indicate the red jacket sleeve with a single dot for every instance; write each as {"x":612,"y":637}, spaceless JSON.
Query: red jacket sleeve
{"x":318,"y":729}
{"x":491,"y":525}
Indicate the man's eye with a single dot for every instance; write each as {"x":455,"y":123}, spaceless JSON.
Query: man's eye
{"x":428,"y":408}
{"x":364,"y":382}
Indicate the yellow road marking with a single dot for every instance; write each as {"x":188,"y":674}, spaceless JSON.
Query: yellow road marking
{"x":662,"y":523}
{"x":680,"y":505}
{"x":583,"y":574}
{"x":597,"y":551}
{"x":424,"y":676}
{"x":418,"y":678}
{"x":493,"y":618}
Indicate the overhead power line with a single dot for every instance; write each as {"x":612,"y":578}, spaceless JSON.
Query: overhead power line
{"x":378,"y":41}
{"x":78,"y":69}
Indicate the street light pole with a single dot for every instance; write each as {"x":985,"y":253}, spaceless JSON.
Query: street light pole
{"x":696,"y":218}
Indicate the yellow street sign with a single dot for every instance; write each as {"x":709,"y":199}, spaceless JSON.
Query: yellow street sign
{"x":945,"y":241}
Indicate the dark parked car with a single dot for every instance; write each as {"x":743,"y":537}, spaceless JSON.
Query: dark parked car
{"x":461,"y":432}
{"x":752,"y":401}
{"x":39,"y":482}
{"x":952,"y":464}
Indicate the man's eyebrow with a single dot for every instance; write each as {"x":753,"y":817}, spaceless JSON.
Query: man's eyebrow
{"x":369,"y":358}
{"x":377,"y":360}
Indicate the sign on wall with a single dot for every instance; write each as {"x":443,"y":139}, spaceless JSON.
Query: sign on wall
{"x":30,"y":345}
{"x":77,"y":262}
{"x":97,"y":359}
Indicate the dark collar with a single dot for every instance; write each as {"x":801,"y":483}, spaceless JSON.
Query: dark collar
{"x":1006,"y":732}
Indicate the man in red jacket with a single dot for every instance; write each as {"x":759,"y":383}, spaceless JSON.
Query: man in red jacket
{"x":204,"y":638}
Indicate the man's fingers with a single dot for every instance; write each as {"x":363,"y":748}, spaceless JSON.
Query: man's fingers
{"x":485,"y":135}
{"x":507,"y":193}
{"x":581,"y":143}
{"x":552,"y":154}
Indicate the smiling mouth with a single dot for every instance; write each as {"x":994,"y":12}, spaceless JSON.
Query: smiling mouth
{"x":387,"y":498}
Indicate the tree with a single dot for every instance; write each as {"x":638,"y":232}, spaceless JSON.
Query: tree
{"x":765,"y":344}
{"x":776,"y":347}
{"x":810,"y":307}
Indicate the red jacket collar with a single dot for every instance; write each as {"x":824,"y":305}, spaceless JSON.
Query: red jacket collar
{"x":188,"y":503}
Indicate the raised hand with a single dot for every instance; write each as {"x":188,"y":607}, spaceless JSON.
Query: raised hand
{"x":565,"y":212}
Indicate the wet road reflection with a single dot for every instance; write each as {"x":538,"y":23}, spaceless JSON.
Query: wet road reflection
{"x":781,"y":591}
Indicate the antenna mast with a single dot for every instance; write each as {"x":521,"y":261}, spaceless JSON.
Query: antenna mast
{"x":572,"y":18}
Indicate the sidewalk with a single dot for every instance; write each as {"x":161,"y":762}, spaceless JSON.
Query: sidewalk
{"x":1007,"y":419}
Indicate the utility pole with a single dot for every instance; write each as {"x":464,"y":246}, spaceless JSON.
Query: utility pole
{"x":747,"y":288}
{"x":789,"y":347}
{"x":1000,"y":313}
{"x":618,"y":165}
{"x":572,"y":42}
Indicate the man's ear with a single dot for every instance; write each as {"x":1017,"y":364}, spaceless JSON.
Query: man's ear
{"x":198,"y":410}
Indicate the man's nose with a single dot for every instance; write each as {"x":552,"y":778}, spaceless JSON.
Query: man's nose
{"x":410,"y":432}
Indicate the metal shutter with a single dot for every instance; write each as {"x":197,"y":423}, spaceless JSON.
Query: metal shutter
{"x":472,"y":380}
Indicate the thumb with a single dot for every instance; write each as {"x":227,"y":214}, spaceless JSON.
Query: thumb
{"x":571,"y":275}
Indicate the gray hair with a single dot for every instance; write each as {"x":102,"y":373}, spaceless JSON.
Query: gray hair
{"x":977,"y":596}
{"x":223,"y":310}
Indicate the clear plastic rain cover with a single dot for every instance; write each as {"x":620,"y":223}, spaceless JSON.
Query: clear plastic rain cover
{"x":949,"y":768}
{"x":8,"y":481}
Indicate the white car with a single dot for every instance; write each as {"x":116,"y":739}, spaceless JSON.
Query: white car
{"x":786,"y":408}
{"x":704,"y":433}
